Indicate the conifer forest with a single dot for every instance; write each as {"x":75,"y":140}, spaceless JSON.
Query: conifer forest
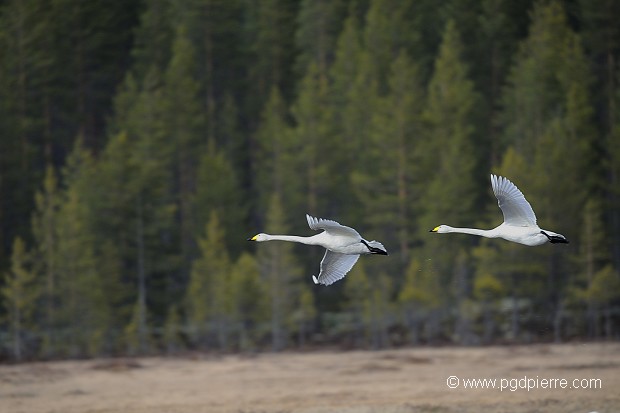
{"x":143,"y":141}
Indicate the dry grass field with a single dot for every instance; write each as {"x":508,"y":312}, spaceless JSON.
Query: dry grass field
{"x":390,"y":381}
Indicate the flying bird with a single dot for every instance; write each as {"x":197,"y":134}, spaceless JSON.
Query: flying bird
{"x":519,"y":219}
{"x":343,"y":246}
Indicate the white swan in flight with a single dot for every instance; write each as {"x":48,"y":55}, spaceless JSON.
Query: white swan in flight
{"x":343,"y":246}
{"x":519,"y":219}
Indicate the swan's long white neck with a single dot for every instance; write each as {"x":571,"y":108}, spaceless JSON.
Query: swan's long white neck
{"x":489,"y":233}
{"x":292,"y":238}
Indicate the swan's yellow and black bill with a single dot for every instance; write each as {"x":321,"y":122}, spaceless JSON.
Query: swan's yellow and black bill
{"x":253,"y":238}
{"x":434,"y":229}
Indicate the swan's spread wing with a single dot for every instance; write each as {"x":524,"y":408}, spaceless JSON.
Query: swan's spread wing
{"x":334,"y":266}
{"x":517,"y":211}
{"x":331,"y":227}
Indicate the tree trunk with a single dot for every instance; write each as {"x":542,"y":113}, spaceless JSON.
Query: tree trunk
{"x":141,"y":278}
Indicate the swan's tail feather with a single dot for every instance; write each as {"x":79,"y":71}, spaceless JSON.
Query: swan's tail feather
{"x":377,"y":248}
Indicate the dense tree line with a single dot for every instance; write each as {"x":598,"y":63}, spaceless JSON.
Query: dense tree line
{"x":144,"y":141}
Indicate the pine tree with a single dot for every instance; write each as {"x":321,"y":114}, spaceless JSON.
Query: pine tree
{"x":387,"y":190}
{"x":218,"y":190}
{"x":20,"y":294}
{"x":386,"y":34}
{"x":488,"y":289}
{"x":153,"y":39}
{"x":595,"y":257}
{"x":359,"y":303}
{"x":368,"y":297}
{"x":305,"y":315}
{"x":208,"y":297}
{"x":451,"y":124}
{"x":25,"y":75}
{"x":172,"y":330}
{"x":311,"y":139}
{"x":84,"y":315}
{"x":601,"y":36}
{"x":215,"y":29}
{"x":273,"y":159}
{"x":498,"y":26}
{"x":348,"y":118}
{"x":184,"y":124}
{"x":270,"y":31}
{"x":603,"y":292}
{"x":249,"y":299}
{"x":452,"y":192}
{"x":420,"y":298}
{"x":318,"y":24}
{"x":281,"y":272}
{"x":44,"y":228}
{"x":517,"y":270}
{"x":548,"y":119}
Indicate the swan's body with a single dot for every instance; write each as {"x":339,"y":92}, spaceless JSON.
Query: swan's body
{"x":519,"y":219}
{"x":343,"y":247}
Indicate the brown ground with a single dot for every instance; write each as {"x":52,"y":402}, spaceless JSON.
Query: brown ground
{"x":391,"y":381}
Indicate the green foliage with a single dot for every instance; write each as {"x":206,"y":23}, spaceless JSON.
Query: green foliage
{"x":208,"y":297}
{"x":45,"y":231}
{"x":421,"y":288}
{"x":387,"y":190}
{"x":452,"y":186}
{"x":605,"y":286}
{"x":218,"y":190}
{"x":280,"y":271}
{"x":311,"y":137}
{"x":172,"y":330}
{"x":20,"y":294}
{"x":249,"y":301}
{"x":143,"y":141}
{"x":272,"y":51}
{"x":275,"y":150}
{"x":451,"y":104}
{"x":184,"y":125}
{"x":319,"y":23}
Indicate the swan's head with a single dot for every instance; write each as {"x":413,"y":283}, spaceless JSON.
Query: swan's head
{"x":442,"y":229}
{"x":259,"y":237}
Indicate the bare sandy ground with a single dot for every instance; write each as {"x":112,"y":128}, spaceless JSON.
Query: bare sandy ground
{"x":391,"y":381}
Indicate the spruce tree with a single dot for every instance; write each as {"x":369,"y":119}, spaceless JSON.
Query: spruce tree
{"x":45,"y":231}
{"x":20,"y":293}
{"x":249,"y":301}
{"x":274,"y":155}
{"x":184,"y":123}
{"x":218,"y":190}
{"x":318,"y":24}
{"x":548,"y":119}
{"x":281,"y":273}
{"x":453,"y":190}
{"x":387,"y":190}
{"x":208,"y":296}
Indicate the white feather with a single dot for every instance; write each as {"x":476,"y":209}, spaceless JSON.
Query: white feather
{"x":343,"y":247}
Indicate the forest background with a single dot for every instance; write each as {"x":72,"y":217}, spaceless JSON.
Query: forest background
{"x":142,"y":142}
